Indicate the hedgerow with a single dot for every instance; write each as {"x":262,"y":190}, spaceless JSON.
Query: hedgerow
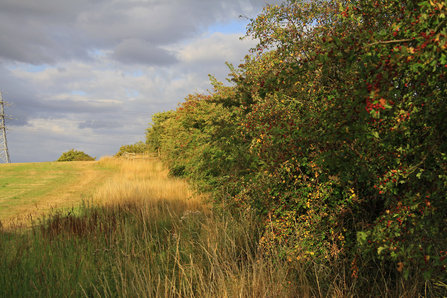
{"x":334,"y":130}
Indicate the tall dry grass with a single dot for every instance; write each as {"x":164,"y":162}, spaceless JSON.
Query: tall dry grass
{"x":145,"y":182}
{"x":150,"y":235}
{"x":199,"y":255}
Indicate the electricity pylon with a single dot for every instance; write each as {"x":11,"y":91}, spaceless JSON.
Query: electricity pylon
{"x":4,"y":153}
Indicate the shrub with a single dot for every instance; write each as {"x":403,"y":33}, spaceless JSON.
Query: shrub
{"x":75,"y":155}
{"x":138,"y":147}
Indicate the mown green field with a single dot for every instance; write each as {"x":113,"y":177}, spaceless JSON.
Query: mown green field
{"x":30,"y":189}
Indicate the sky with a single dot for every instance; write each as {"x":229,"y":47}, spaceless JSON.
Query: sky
{"x":89,"y":74}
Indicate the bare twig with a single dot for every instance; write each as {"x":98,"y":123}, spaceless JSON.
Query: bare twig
{"x":389,"y":41}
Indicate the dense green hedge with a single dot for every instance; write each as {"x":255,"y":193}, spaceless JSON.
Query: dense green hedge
{"x":334,"y":130}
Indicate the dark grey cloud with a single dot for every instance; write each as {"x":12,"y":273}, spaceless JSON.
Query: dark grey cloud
{"x":137,"y":51}
{"x":48,"y":31}
{"x":46,"y":10}
{"x":18,"y":92}
{"x":42,"y":31}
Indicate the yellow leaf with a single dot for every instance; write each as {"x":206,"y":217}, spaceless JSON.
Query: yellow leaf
{"x":400,"y":266}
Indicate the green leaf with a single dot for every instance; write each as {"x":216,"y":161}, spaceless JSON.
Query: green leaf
{"x":362,"y":237}
{"x":406,"y":273}
{"x":443,"y":59}
{"x":427,"y":274}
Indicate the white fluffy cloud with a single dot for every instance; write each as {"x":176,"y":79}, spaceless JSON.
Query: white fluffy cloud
{"x":214,"y":49}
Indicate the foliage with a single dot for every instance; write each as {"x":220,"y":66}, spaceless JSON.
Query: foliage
{"x":138,"y":147}
{"x":154,"y":132}
{"x":75,"y":155}
{"x":334,"y":130}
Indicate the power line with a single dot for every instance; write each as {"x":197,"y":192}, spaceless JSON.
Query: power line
{"x":4,"y":153}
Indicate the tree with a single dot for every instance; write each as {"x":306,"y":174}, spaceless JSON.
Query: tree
{"x":155,"y":132}
{"x":75,"y":155}
{"x":138,"y":147}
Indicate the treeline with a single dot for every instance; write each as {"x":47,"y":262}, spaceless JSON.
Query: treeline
{"x":334,"y":130}
{"x":138,"y":147}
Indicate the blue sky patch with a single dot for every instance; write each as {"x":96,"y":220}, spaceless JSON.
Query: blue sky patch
{"x":35,"y":68}
{"x":234,"y":26}
{"x":132,"y":93}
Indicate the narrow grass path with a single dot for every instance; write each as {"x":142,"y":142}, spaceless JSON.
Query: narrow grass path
{"x":28,"y":190}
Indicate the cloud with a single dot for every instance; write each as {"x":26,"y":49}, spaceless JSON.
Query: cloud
{"x":47,"y":31}
{"x":98,"y":125}
{"x":217,"y":47}
{"x":137,"y":51}
{"x":41,"y":31}
{"x":89,"y":74}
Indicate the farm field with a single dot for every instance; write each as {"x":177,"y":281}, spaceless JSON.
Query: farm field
{"x":28,"y":190}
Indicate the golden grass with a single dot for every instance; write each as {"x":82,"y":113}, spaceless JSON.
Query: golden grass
{"x":39,"y":188}
{"x":144,"y":182}
{"x":220,"y":261}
